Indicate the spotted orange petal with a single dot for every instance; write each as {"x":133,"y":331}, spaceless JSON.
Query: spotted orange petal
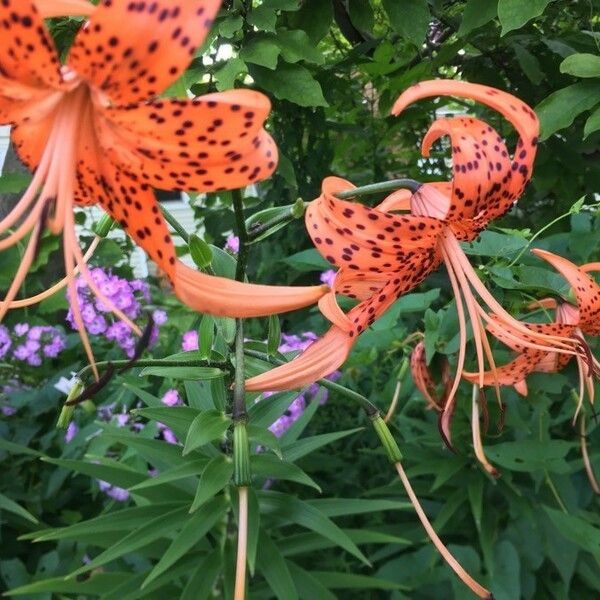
{"x":27,"y":52}
{"x":481,"y":167}
{"x":132,"y":51}
{"x":515,"y":110}
{"x":212,"y":142}
{"x":357,"y":237}
{"x":586,"y":290}
{"x":511,"y":373}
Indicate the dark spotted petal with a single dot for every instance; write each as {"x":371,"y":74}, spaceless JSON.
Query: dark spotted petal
{"x":27,"y":52}
{"x":210,"y":143}
{"x":133,"y":51}
{"x":516,"y":111}
{"x":352,"y":235}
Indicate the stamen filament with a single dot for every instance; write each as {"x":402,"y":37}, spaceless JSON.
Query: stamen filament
{"x":476,"y":430}
{"x":475,"y":587}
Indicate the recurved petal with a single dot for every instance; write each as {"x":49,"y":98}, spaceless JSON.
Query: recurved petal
{"x":422,"y":377}
{"x":516,"y":111}
{"x":586,"y":290}
{"x":61,"y":8}
{"x":27,"y":52}
{"x":349,"y":234}
{"x":481,"y":167}
{"x":511,"y":373}
{"x":226,"y":297}
{"x":133,"y":51}
{"x":320,"y":359}
{"x":212,"y":142}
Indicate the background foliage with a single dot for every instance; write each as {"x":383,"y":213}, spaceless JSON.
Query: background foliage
{"x":330,"y":521}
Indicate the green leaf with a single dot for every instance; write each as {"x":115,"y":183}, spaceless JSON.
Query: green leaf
{"x":304,"y":446}
{"x":264,"y":412}
{"x":192,"y":531}
{"x":188,"y":373}
{"x":13,"y":448}
{"x":216,"y":475}
{"x":96,"y":585}
{"x":187,"y":469}
{"x":199,"y":394}
{"x":227,"y":75}
{"x":290,"y":82}
{"x":274,"y":336}
{"x":253,"y":529}
{"x":581,"y":65}
{"x":531,"y":455}
{"x":410,"y":18}
{"x":495,"y":244}
{"x":361,"y":15}
{"x":306,"y":515}
{"x":13,"y":183}
{"x":201,"y":583}
{"x":295,"y":45}
{"x":206,"y":335}
{"x":11,"y":506}
{"x":229,"y":26}
{"x":339,"y":507}
{"x":529,"y":63}
{"x":206,"y":427}
{"x":266,"y":438}
{"x":307,"y":585}
{"x":476,"y":14}
{"x":314,"y":17}
{"x":507,"y":572}
{"x":178,"y":418}
{"x":269,"y":466}
{"x":353,"y":581}
{"x":579,"y":531}
{"x":560,"y":108}
{"x":272,"y":565}
{"x":513,"y":14}
{"x":154,"y":529}
{"x":261,"y":50}
{"x":123,"y":520}
{"x":201,"y":252}
{"x":147,"y":398}
{"x":592,"y":124}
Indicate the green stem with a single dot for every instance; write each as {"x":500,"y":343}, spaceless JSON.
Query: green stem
{"x":384,"y":186}
{"x":175,"y":224}
{"x":239,"y":389}
{"x":371,"y":410}
{"x":154,"y":362}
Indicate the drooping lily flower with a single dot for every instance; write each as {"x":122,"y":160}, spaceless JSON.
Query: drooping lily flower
{"x":382,"y":255}
{"x":569,"y":320}
{"x":94,"y":131}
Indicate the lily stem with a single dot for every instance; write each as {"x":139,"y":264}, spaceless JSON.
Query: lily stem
{"x":377,"y":188}
{"x":175,"y":224}
{"x":365,"y":403}
{"x":239,"y":389}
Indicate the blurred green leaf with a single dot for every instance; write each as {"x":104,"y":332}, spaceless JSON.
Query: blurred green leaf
{"x":208,"y":426}
{"x":216,"y":475}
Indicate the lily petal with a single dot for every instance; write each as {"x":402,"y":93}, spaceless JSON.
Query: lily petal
{"x":61,"y":8}
{"x":132,"y":51}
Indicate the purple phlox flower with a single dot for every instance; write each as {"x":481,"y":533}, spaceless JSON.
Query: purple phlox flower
{"x":21,"y":352}
{"x":232,"y":244}
{"x":65,"y":385}
{"x":291,"y":415}
{"x":106,"y":412}
{"x":8,"y":411}
{"x":167,"y":434}
{"x":71,"y":432}
{"x":328,"y":276}
{"x":21,"y":329}
{"x":5,"y":341}
{"x":171,"y":398}
{"x":291,"y":343}
{"x":117,"y":493}
{"x":189,"y":341}
{"x":122,"y":419}
{"x":159,"y":317}
{"x":153,"y":472}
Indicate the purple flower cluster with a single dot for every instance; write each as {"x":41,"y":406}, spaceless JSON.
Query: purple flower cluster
{"x":291,"y":343}
{"x":189,"y":341}
{"x":31,"y":344}
{"x":327,"y":277}
{"x":113,"y":491}
{"x":232,"y":244}
{"x":128,"y":296}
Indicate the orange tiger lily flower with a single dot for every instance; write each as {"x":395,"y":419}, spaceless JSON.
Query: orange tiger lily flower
{"x":93,"y":131}
{"x":572,"y":321}
{"x":383,"y":255}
